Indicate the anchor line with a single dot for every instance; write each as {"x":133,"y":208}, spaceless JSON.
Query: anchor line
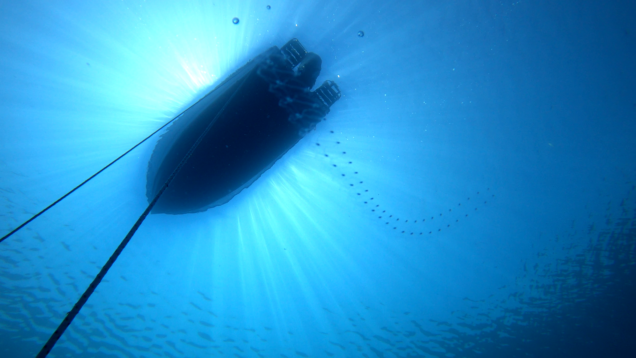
{"x":48,"y":346}
{"x":92,"y":176}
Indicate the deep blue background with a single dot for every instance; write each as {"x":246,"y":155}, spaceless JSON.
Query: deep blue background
{"x":527,"y":108}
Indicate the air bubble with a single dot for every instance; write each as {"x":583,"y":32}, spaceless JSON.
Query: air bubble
{"x":360,"y":33}
{"x":268,"y":7}
{"x":235,"y":20}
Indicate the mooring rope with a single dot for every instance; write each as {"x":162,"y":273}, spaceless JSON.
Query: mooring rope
{"x":93,"y":176}
{"x":91,"y":288}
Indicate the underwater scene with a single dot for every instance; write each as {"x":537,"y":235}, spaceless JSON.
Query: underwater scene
{"x":299,"y":179}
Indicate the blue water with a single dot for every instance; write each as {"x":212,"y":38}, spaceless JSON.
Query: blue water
{"x":528,"y":108}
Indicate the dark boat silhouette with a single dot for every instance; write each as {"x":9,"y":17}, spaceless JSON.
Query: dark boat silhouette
{"x":252,"y":119}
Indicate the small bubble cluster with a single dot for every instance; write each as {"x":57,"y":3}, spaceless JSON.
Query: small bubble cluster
{"x":405,"y":226}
